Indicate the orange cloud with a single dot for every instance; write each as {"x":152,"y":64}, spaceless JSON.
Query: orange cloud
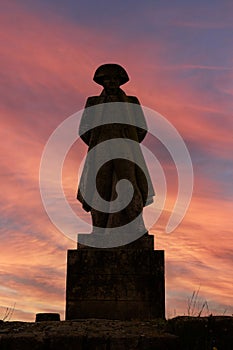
{"x":48,"y":67}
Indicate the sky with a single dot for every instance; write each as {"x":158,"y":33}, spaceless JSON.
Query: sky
{"x":179,"y":57}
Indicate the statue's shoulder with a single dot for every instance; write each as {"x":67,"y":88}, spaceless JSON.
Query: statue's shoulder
{"x":133,"y":99}
{"x":92,"y":100}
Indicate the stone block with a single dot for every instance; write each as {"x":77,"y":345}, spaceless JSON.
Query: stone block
{"x":114,"y":310}
{"x":116,"y":283}
{"x":113,"y":287}
{"x":113,"y":261}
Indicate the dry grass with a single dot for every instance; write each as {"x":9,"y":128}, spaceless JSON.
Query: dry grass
{"x":6,"y":313}
{"x":196,"y":306}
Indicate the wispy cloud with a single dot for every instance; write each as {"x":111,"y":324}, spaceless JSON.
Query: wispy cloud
{"x":47,"y":66}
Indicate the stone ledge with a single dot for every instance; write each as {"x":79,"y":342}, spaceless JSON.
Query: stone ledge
{"x":180,"y":333}
{"x":90,"y":334}
{"x":94,"y":240}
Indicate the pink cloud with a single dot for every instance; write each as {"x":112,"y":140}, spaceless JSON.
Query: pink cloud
{"x":48,"y":68}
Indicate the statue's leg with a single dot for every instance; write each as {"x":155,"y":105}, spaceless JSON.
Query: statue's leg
{"x":123,"y":169}
{"x":99,"y":219}
{"x":126,"y":170}
{"x":104,"y":187}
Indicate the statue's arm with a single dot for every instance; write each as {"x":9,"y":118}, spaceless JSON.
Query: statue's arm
{"x":140,"y":118}
{"x":85,"y":121}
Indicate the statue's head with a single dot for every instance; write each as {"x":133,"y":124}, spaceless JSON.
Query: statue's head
{"x":110,"y":74}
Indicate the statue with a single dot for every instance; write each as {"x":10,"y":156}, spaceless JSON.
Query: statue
{"x":111,"y":77}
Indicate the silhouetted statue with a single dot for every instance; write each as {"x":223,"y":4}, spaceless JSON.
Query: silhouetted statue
{"x":111,"y":77}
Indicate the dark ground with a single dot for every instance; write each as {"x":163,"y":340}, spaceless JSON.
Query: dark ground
{"x":180,"y":333}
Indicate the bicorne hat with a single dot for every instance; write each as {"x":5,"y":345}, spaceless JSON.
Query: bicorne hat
{"x":110,"y":69}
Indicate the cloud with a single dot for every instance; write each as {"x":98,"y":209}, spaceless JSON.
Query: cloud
{"x":47,"y":66}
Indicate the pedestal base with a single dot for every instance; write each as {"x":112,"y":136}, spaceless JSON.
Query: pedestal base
{"x":116,"y":283}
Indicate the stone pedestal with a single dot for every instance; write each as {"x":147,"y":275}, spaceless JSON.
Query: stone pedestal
{"x":122,"y":283}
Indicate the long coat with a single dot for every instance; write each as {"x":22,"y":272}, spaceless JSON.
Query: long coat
{"x":115,"y":169}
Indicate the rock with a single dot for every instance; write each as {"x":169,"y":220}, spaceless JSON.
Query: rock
{"x":42,"y":317}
